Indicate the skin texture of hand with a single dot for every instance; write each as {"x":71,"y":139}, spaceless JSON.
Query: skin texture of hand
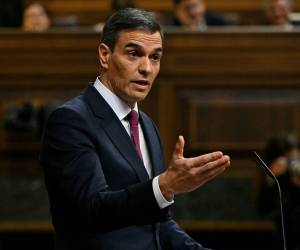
{"x":187,"y":174}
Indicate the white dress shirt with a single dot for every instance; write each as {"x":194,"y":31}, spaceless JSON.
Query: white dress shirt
{"x":122,"y":110}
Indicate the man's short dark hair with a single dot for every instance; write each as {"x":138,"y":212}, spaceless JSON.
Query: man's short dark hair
{"x":128,"y":19}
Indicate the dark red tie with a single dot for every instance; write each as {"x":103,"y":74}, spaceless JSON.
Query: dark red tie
{"x":134,"y":131}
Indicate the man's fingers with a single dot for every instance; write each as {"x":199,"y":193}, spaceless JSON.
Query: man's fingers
{"x":204,"y":159}
{"x":210,"y":171}
{"x":179,"y":147}
{"x":217,"y":163}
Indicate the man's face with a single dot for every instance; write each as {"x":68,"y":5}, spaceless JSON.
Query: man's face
{"x":190,"y":12}
{"x":131,"y":68}
{"x":278,"y":12}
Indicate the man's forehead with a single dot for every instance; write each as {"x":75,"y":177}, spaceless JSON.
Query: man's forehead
{"x":140,"y":37}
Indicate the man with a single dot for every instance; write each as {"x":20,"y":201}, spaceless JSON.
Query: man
{"x":278,"y":12}
{"x":103,"y":159}
{"x":191,"y":14}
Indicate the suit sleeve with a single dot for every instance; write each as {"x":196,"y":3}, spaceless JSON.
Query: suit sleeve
{"x":173,"y":237}
{"x":76,"y":183}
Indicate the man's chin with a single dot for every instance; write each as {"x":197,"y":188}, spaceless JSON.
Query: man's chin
{"x":140,"y":97}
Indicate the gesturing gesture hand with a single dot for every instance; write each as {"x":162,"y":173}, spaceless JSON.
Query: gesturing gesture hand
{"x":187,"y":174}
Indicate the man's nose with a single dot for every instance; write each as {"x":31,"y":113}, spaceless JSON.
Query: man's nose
{"x":145,"y":66}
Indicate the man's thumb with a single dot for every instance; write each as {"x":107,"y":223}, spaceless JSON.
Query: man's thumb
{"x":178,"y":151}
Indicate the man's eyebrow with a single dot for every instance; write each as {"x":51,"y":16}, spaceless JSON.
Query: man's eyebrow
{"x":159,"y":50}
{"x":132,"y":45}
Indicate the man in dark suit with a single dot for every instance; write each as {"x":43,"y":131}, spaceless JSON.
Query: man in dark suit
{"x":102,"y":157}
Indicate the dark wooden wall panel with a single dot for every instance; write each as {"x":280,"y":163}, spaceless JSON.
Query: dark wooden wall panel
{"x":238,"y":119}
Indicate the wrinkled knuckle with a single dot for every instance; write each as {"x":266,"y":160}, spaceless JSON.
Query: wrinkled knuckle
{"x":193,"y":174}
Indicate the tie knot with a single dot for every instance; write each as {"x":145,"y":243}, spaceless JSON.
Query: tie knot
{"x":133,"y":118}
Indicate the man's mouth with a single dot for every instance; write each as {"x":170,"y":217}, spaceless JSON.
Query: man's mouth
{"x":141,"y":82}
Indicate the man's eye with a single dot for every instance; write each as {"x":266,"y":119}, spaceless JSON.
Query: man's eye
{"x":133,"y":53}
{"x":156,"y":57}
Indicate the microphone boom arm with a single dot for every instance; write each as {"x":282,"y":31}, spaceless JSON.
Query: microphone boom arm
{"x":263,"y":165}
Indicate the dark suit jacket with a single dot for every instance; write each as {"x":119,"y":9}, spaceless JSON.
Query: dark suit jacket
{"x":100,"y":194}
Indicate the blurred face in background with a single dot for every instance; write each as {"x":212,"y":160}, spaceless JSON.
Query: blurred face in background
{"x":35,"y":18}
{"x":278,"y":11}
{"x":190,"y":13}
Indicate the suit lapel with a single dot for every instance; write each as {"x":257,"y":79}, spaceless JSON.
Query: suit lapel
{"x":110,"y":123}
{"x":153,"y":144}
{"x":122,"y":141}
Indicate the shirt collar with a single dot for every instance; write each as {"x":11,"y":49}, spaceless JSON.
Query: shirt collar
{"x":120,"y":108}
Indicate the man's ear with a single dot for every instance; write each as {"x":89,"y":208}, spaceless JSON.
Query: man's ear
{"x":104,"y":54}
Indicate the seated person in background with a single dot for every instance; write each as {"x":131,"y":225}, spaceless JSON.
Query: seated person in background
{"x":278,"y":12}
{"x":36,"y":18}
{"x":283,"y":158}
{"x":192,"y":15}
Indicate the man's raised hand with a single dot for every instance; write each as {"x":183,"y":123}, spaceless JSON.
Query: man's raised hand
{"x":187,"y":174}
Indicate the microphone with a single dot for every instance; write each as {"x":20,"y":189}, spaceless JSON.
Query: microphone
{"x":263,"y":165}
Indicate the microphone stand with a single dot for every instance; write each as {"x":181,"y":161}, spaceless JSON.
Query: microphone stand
{"x":263,"y":165}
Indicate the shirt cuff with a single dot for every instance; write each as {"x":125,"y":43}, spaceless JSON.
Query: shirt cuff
{"x":161,"y":200}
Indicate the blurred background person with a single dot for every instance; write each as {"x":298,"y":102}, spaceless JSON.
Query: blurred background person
{"x":282,"y":155}
{"x":278,"y":12}
{"x":36,"y":18}
{"x":192,"y":14}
